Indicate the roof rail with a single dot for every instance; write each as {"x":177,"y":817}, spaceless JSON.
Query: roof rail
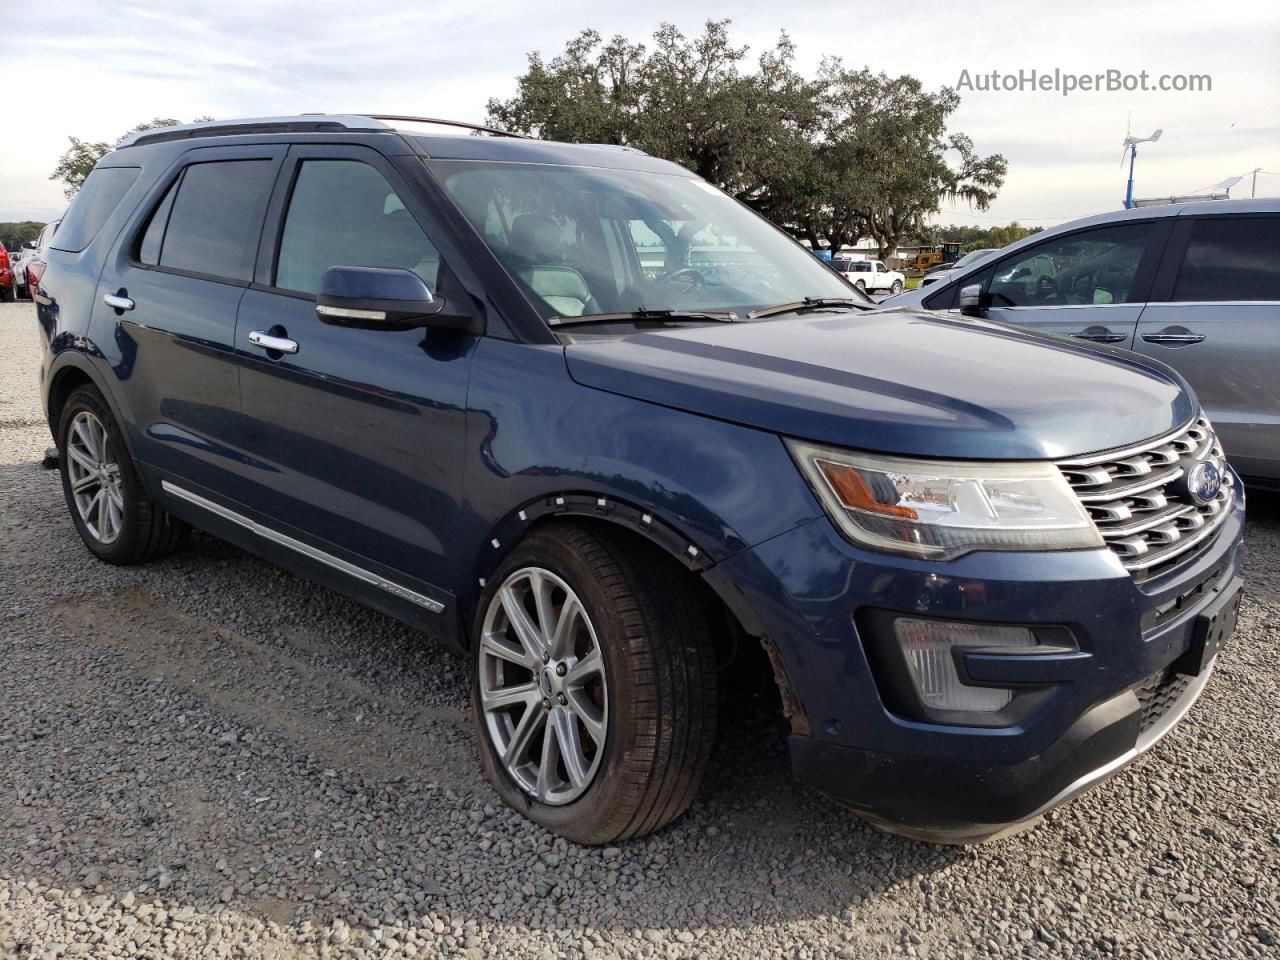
{"x":303,"y":123}
{"x":306,"y":123}
{"x":624,"y":147}
{"x":479,"y":128}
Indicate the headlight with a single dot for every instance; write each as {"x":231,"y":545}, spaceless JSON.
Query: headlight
{"x":941,"y":509}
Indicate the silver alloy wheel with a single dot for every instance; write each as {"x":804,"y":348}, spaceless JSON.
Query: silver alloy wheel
{"x":94,"y":478}
{"x":542,"y":686}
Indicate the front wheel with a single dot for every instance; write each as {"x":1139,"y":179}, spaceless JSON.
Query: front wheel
{"x":861,"y":285}
{"x":595,"y":684}
{"x":896,"y":288}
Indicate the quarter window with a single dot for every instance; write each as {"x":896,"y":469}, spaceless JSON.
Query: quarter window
{"x":101,"y":193}
{"x":1092,"y":267}
{"x":345,"y":213}
{"x":209,"y":221}
{"x":1231,"y":259}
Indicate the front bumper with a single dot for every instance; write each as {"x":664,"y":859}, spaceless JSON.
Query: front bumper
{"x":1101,"y":708}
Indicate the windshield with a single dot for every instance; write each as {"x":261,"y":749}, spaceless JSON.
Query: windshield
{"x":973,"y":256}
{"x":584,"y":241}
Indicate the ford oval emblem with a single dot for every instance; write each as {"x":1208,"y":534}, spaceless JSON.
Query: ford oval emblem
{"x":1204,"y":481}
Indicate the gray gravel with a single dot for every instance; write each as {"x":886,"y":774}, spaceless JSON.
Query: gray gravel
{"x":209,"y":757}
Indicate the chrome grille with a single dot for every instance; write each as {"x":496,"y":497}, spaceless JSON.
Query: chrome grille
{"x":1137,"y":504}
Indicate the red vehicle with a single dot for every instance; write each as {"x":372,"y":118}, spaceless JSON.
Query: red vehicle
{"x":8,"y":289}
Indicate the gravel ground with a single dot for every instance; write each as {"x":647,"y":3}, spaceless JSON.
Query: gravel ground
{"x":189,"y":771}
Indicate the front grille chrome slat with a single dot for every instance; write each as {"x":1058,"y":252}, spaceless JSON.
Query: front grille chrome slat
{"x":1149,"y":522}
{"x":1143,"y":514}
{"x":1088,"y":496}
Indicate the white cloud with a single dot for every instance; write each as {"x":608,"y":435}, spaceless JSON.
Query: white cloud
{"x":109,"y":66}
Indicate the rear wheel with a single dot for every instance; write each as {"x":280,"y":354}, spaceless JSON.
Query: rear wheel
{"x":595,"y":684}
{"x":114,"y":516}
{"x":8,"y":293}
{"x":861,"y":285}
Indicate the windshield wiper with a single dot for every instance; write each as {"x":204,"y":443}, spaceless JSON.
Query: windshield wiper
{"x":721,"y":317}
{"x":809,"y":303}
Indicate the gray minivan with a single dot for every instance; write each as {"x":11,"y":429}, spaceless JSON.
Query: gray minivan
{"x":1196,"y":285}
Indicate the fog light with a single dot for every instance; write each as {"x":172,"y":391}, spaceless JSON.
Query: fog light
{"x":928,"y":646}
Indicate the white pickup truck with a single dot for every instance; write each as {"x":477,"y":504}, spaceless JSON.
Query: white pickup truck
{"x":870,"y":275}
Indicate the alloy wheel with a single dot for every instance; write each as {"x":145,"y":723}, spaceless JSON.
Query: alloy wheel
{"x":95,"y":478}
{"x":543,"y":688}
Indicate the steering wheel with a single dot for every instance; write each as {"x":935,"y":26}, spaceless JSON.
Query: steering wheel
{"x":694,"y":281}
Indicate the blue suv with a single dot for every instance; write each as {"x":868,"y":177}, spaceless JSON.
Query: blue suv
{"x":577,"y":412}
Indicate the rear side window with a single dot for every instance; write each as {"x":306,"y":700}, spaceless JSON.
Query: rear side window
{"x":1231,"y":259}
{"x":102,"y":192}
{"x":209,"y":220}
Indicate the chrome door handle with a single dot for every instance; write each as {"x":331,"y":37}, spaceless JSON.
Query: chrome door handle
{"x":117,"y":302}
{"x":1102,"y":337}
{"x":1173,"y":337}
{"x":260,"y":338}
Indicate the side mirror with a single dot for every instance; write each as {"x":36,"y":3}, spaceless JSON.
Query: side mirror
{"x":29,"y":245}
{"x":971,"y":300}
{"x":384,"y":298}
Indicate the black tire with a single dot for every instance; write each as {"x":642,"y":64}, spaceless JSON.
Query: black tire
{"x":660,"y":668}
{"x":146,"y":531}
{"x":8,"y":293}
{"x":861,"y":285}
{"x":896,"y":288}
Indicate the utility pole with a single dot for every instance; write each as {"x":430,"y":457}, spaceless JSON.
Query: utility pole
{"x":1253,"y":190}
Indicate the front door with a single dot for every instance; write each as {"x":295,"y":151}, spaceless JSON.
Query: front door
{"x":1215,"y":318}
{"x":355,"y":440}
{"x":1090,"y":285}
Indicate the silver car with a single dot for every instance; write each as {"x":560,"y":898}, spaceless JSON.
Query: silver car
{"x":939,"y":274}
{"x":1196,"y":285}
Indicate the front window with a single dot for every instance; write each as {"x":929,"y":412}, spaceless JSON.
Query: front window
{"x":344,"y":212}
{"x":1093,"y":267}
{"x":583,"y":241}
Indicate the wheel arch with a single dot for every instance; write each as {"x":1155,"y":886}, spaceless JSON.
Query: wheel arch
{"x":726,"y":601}
{"x":69,"y":371}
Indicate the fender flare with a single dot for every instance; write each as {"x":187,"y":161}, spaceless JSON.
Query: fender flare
{"x":579,"y":504}
{"x":594,"y":506}
{"x":663,"y":534}
{"x":69,"y":361}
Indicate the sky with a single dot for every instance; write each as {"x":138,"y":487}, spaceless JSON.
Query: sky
{"x":108,"y":66}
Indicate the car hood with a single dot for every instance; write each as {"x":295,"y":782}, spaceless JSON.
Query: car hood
{"x":896,"y":382}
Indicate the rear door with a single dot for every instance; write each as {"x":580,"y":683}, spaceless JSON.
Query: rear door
{"x":1090,"y":284}
{"x":175,"y":283}
{"x":1215,"y":318}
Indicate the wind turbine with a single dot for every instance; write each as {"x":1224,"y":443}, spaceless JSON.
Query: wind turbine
{"x":1130,"y":147}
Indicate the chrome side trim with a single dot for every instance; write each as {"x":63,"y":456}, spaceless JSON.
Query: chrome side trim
{"x":1212,"y":303}
{"x":350,"y":313}
{"x":328,"y":559}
